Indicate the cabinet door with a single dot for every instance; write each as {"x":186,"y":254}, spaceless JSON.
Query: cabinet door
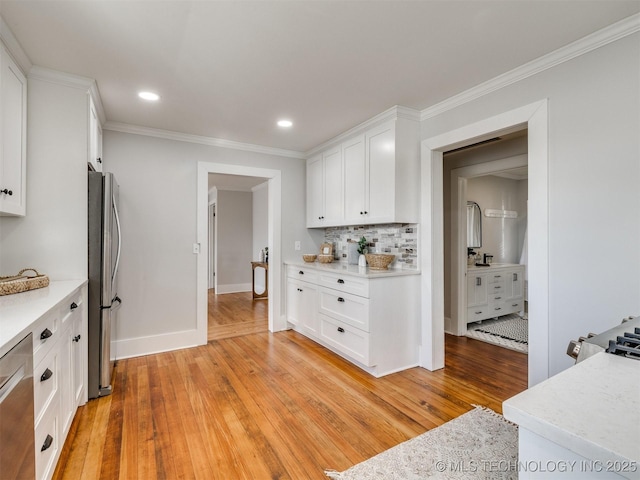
{"x":333,"y":187}
{"x":355,"y":179}
{"x":315,"y":192}
{"x":514,"y":284}
{"x":476,"y":289}
{"x":381,"y":158}
{"x":13,"y":137}
{"x":95,"y":138}
{"x":302,"y":306}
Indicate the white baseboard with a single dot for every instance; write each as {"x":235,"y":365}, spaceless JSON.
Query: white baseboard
{"x":234,"y":288}
{"x":166,"y":342}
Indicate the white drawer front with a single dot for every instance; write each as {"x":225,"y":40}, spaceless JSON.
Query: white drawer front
{"x":344,"y":283}
{"x":345,"y":338}
{"x":350,"y":309}
{"x":70,"y":308}
{"x":47,"y":441}
{"x":497,"y":277}
{"x":496,"y":298}
{"x":46,"y":381}
{"x":514,"y":305}
{"x":302,"y":273}
{"x":495,"y":288}
{"x":475,"y":314}
{"x":45,"y":333}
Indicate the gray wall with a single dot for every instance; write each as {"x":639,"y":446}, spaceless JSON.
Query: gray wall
{"x":594,"y":173}
{"x":158,"y":202}
{"x":235,"y":241}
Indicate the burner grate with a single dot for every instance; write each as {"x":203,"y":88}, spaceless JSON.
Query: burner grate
{"x":627,"y":345}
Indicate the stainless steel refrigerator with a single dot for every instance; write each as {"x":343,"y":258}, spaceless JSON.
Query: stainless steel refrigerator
{"x":105,"y":241}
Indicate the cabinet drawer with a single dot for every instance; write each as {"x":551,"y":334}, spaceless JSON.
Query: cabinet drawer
{"x":475,"y":314}
{"x":350,"y":309}
{"x":302,"y":273}
{"x":346,"y":284}
{"x":46,"y":381}
{"x":351,"y":341}
{"x":514,"y":306}
{"x":70,"y":308}
{"x":45,"y":334}
{"x":497,"y":277}
{"x":496,"y":298}
{"x":495,"y":288}
{"x":47,"y":435}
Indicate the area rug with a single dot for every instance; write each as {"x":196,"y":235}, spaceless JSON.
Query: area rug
{"x":480,"y":444}
{"x":508,"y":331}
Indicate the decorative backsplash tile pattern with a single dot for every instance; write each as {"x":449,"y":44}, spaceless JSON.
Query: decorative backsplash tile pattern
{"x":399,"y":239}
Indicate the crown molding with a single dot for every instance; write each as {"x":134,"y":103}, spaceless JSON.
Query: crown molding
{"x":392,"y":113}
{"x":616,"y":31}
{"x":189,"y":138}
{"x":70,"y":80}
{"x":61,"y":78}
{"x":14,"y":48}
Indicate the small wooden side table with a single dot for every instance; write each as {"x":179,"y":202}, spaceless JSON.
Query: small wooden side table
{"x":264,"y":265}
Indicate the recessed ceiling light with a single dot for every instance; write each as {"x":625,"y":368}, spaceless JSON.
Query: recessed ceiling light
{"x":285,"y":123}
{"x":149,"y":96}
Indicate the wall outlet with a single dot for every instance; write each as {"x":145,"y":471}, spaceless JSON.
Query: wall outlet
{"x":297,"y":245}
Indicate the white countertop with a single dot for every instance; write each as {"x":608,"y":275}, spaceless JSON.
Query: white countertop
{"x":343,"y":268}
{"x":19,"y":311}
{"x":592,"y":408}
{"x":494,"y":266}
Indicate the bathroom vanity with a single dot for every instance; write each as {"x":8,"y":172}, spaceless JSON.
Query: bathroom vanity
{"x":494,"y":291}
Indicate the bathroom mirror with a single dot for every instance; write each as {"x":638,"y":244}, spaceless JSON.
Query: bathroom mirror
{"x":474,"y":225}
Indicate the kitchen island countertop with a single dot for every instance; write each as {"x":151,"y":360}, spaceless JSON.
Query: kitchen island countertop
{"x":591,"y":409}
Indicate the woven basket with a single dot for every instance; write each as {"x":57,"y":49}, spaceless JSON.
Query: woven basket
{"x":309,"y":257}
{"x":379,"y":261}
{"x":22,"y":283}
{"x":325,"y":258}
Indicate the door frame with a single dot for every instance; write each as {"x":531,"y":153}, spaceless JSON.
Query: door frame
{"x":533,"y":117}
{"x":274,"y":177}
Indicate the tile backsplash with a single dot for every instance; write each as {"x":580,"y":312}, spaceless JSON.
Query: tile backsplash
{"x":400,"y":239}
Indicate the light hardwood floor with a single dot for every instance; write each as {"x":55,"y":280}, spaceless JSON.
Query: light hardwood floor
{"x":272,"y":406}
{"x":234,"y":314}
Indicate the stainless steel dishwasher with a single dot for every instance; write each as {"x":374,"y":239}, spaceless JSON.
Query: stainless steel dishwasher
{"x":17,"y":442}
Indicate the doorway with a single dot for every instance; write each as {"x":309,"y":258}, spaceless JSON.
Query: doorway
{"x":533,"y":117}
{"x":238,"y":234}
{"x":275,"y":320}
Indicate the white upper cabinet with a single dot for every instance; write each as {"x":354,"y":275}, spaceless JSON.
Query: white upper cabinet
{"x":325,"y":189}
{"x":13,"y":137}
{"x":355,"y":180}
{"x":95,"y":138}
{"x":380,"y":177}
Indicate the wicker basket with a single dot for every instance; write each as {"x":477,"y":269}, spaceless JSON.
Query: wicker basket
{"x":325,"y":258}
{"x":309,"y":257}
{"x":379,"y":261}
{"x":22,"y":283}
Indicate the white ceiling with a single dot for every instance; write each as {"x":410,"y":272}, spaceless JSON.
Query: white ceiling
{"x":230,"y":69}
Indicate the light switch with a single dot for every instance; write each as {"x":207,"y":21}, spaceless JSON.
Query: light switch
{"x":196,"y":248}
{"x":297,"y":245}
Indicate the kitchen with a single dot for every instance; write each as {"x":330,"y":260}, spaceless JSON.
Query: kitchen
{"x":155,"y":169}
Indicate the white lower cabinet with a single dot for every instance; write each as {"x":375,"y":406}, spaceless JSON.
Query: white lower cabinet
{"x":59,"y":375}
{"x":494,"y":292}
{"x":371,"y":320}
